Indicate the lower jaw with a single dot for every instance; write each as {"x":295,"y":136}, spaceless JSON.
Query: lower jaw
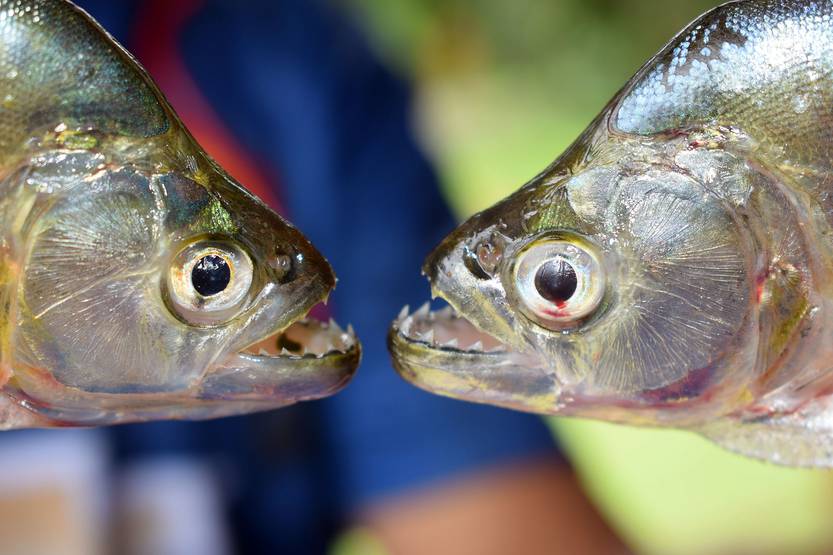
{"x":283,"y":380}
{"x":505,"y":379}
{"x":308,"y":360}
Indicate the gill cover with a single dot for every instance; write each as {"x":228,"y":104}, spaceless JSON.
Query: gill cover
{"x":677,"y":292}
{"x":67,"y":85}
{"x":754,"y":76}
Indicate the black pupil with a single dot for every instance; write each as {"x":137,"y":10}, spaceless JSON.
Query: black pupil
{"x":556,"y":281}
{"x":211,"y":275}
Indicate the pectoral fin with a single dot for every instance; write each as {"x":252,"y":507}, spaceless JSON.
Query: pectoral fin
{"x":803,"y":438}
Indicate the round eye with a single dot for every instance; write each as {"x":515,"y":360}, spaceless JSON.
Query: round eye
{"x":209,"y":282}
{"x":211,"y":275}
{"x":556,"y":281}
{"x":559,"y":282}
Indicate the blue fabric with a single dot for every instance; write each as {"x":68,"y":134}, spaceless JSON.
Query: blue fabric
{"x":301,"y":91}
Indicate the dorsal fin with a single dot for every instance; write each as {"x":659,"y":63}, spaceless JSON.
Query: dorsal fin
{"x":763,"y":66}
{"x":57,"y":66}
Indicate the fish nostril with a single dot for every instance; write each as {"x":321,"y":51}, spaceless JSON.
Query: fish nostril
{"x":485,"y":257}
{"x":473,"y":263}
{"x":282,"y":264}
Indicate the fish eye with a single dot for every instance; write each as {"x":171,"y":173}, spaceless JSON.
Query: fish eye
{"x":556,"y":280}
{"x":559,"y":282}
{"x":211,"y":275}
{"x":209,"y":282}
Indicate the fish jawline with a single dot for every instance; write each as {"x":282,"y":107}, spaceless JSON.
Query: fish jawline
{"x":444,"y":353}
{"x":307,"y":360}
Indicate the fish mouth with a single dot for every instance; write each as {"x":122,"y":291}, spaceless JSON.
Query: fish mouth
{"x":443,"y":352}
{"x":306,"y":338}
{"x":309,"y":359}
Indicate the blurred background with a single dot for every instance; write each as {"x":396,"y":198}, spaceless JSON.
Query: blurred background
{"x":500,"y":88}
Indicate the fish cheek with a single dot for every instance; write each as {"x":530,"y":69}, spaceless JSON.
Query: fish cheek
{"x":90,"y":309}
{"x":681,"y":294}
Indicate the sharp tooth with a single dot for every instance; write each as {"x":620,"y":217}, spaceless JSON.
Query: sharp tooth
{"x":453,"y":343}
{"x":335,"y":327}
{"x":476,"y":346}
{"x":403,"y":313}
{"x":428,"y":336}
{"x":263,"y":352}
{"x":406,"y":324}
{"x":347,"y":338}
{"x":285,"y":352}
{"x":423,"y":311}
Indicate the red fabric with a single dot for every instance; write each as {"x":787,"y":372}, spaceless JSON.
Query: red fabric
{"x":154,"y":42}
{"x":155,"y":37}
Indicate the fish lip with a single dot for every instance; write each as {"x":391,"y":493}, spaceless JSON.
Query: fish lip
{"x":489,"y":372}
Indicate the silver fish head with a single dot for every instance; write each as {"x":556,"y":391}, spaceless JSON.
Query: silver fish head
{"x":140,"y":281}
{"x":594,"y":292}
{"x":672,"y":267}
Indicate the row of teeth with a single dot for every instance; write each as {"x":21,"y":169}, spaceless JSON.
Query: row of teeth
{"x":347,"y":339}
{"x":424,"y":312}
{"x":306,"y":354}
{"x":405,"y":322}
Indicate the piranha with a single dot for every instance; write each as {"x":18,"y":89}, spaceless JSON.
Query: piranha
{"x":138,"y":281}
{"x":674,"y":267}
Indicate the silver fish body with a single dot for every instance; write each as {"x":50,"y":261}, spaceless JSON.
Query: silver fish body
{"x":673,"y":267}
{"x":137,"y":279}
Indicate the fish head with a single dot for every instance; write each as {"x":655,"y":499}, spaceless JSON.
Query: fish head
{"x":168,"y":294}
{"x":621,"y":289}
{"x":140,"y":281}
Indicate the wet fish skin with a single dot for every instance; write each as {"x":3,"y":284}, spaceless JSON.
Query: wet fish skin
{"x":107,"y":204}
{"x":699,"y":210}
